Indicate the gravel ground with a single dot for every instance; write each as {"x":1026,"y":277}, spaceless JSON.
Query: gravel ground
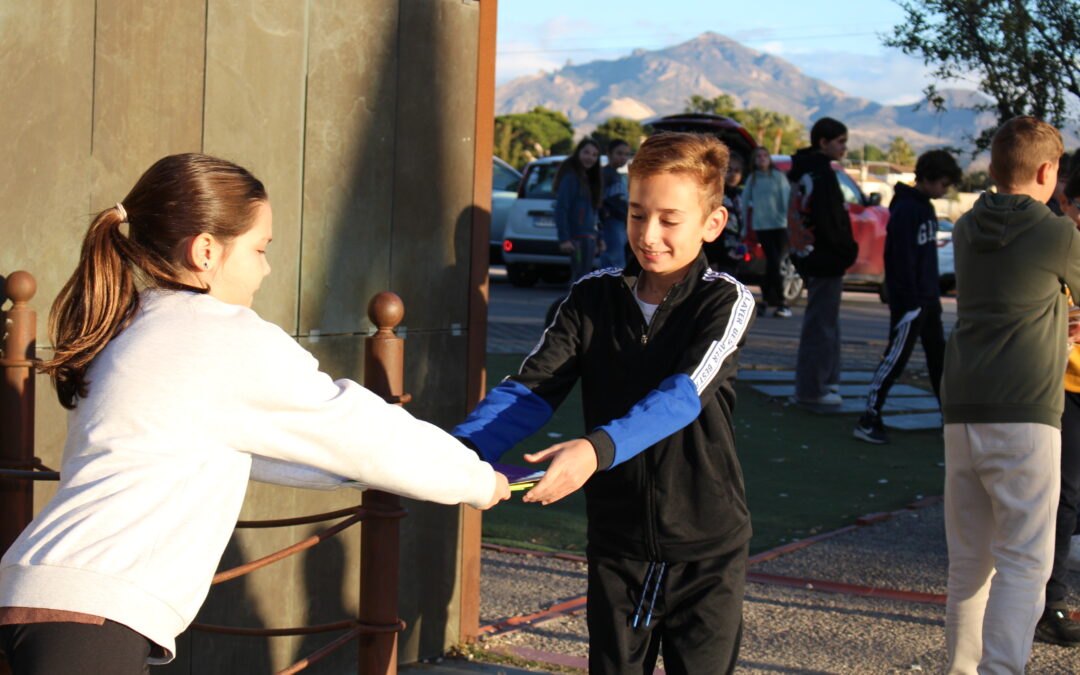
{"x":789,"y":630}
{"x":516,"y":585}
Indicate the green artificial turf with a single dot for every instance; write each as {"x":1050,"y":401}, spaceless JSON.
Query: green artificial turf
{"x":804,"y":473}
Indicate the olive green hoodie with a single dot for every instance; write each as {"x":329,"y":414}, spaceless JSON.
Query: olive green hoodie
{"x":1006,"y":356}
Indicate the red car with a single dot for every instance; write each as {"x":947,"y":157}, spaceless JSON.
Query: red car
{"x":868,"y":218}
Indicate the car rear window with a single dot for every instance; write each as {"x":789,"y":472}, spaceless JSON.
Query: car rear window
{"x":538,"y":180}
{"x":504,"y":178}
{"x":852,"y":194}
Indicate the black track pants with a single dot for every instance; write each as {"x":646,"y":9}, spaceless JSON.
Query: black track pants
{"x":74,"y":649}
{"x":696,"y":616}
{"x":905,"y":328}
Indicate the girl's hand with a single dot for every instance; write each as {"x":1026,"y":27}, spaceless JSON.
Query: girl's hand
{"x":502,"y":491}
{"x":566,"y":246}
{"x":571,"y":465}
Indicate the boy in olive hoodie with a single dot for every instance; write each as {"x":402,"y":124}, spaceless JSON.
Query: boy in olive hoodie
{"x":1002,"y":401}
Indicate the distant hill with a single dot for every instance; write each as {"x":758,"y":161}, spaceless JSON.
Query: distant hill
{"x":645,"y":84}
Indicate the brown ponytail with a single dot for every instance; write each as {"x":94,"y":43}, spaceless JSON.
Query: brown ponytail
{"x":178,"y":198}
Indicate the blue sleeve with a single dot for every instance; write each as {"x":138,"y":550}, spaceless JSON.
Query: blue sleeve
{"x":666,"y":409}
{"x":706,"y":365}
{"x":564,"y":205}
{"x":509,"y":413}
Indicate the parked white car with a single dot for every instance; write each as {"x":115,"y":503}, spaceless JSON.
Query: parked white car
{"x":530,"y":246}
{"x":946,"y":270}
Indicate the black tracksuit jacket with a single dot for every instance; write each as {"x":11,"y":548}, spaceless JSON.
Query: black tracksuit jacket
{"x":658,"y":403}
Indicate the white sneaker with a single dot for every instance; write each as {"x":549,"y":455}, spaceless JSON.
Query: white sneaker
{"x":829,"y":399}
{"x":1074,"y":553}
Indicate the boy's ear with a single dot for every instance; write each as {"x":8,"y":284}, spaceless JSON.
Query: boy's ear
{"x":1047,"y":173}
{"x":715,"y":223}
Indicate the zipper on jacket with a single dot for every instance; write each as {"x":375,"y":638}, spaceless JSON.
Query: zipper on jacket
{"x":647,"y":332}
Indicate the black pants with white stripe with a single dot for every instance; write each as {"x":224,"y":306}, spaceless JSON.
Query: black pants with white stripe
{"x":905,"y":327}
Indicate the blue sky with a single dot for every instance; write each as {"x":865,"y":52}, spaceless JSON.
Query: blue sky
{"x":843,"y":48}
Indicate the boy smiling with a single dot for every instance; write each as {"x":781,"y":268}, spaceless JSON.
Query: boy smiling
{"x":655,"y":348}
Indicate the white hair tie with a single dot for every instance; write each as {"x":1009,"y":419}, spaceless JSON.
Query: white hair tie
{"x":123,"y":214}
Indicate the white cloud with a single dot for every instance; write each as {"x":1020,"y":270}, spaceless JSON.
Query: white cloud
{"x":890,"y":78}
{"x":776,"y":47}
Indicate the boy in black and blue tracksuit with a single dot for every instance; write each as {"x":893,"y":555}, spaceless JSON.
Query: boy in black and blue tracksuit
{"x":912,"y":285}
{"x":654,"y":346}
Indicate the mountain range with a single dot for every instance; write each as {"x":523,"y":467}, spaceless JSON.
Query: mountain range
{"x":646,"y":84}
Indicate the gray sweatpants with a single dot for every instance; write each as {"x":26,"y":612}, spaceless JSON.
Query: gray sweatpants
{"x":818,"y":363}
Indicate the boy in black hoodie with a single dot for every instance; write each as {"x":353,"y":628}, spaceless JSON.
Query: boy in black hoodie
{"x":655,"y":347}
{"x":822,"y":248}
{"x":912,"y":285}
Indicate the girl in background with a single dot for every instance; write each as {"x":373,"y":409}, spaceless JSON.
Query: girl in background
{"x":765,"y":202}
{"x":615,"y":206}
{"x":578,"y":193}
{"x":179,"y":393}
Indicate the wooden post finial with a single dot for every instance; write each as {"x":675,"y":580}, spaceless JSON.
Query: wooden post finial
{"x":20,"y":287}
{"x":386,"y":310}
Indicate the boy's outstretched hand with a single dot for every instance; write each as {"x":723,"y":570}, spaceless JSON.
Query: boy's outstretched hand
{"x":502,"y":491}
{"x":571,"y":465}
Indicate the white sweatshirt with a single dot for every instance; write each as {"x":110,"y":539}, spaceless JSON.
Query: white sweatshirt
{"x":159,"y":453}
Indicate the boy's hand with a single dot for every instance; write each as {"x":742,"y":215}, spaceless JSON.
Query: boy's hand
{"x":571,"y":465}
{"x":502,"y":491}
{"x":566,"y":246}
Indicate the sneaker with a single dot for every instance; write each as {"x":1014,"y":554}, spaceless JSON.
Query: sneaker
{"x":782,"y":313}
{"x":829,"y":399}
{"x":1057,"y":628}
{"x":832,"y":388}
{"x":871,"y":430}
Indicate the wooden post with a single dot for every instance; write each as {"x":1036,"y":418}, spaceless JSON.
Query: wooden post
{"x":469,"y":615}
{"x":384,"y":367}
{"x":17,"y":407}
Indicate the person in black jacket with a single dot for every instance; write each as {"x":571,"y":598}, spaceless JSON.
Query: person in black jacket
{"x":823,"y":247}
{"x":655,"y":348}
{"x":912,"y":285}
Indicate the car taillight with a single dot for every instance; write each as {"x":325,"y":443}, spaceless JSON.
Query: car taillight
{"x":508,"y":245}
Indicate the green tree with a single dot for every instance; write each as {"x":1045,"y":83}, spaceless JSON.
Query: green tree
{"x":778,"y":132}
{"x":628,"y":130}
{"x":720,"y":105}
{"x":1024,"y":53}
{"x":900,"y":152}
{"x":870,"y":153}
{"x":975,"y":181}
{"x":523,"y":137}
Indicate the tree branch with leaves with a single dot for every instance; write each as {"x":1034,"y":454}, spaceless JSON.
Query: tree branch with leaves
{"x":1024,"y":55}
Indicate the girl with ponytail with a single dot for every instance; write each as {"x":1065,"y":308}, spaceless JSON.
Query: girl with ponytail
{"x":179,"y":393}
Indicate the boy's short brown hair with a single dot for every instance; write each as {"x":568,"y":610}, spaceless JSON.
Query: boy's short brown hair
{"x":700,"y":156}
{"x":1020,"y":147}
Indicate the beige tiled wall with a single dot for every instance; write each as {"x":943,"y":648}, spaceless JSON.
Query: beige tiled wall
{"x":358,"y":117}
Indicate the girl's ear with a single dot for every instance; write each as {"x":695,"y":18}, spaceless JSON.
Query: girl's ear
{"x":714,"y":224}
{"x":202,"y":253}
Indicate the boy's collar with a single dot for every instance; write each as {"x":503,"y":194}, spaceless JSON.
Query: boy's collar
{"x":632,"y":272}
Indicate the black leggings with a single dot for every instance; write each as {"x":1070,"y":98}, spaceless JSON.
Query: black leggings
{"x":74,"y":649}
